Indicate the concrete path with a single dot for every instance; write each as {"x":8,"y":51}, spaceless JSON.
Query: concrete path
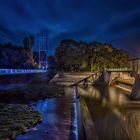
{"x":68,"y":79}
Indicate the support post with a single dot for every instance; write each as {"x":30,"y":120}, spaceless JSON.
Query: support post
{"x":43,"y":50}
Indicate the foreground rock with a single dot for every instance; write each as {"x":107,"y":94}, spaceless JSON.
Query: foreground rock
{"x":16,"y":116}
{"x":16,"y":119}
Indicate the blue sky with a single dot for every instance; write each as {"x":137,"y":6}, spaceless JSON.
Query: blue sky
{"x":112,"y":21}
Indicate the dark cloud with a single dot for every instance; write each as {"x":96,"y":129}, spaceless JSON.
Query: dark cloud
{"x":131,"y":43}
{"x":116,"y":21}
{"x":126,"y":23}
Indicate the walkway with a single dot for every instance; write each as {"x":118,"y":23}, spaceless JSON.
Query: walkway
{"x":68,"y":79}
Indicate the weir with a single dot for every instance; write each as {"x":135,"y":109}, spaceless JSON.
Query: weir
{"x":128,"y":76}
{"x":83,"y":118}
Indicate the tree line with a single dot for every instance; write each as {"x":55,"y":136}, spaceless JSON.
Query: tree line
{"x":15,"y":56}
{"x":72,"y":55}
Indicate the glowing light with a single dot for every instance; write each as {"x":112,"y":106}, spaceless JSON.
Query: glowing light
{"x":21,"y":71}
{"x":76,"y":115}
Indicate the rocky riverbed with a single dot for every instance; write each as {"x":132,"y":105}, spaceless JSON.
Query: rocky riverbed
{"x":16,"y":111}
{"x":15,"y":119}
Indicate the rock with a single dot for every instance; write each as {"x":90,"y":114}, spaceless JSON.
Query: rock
{"x":15,"y":119}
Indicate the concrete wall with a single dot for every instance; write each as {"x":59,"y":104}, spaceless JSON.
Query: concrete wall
{"x":135,"y":94}
{"x":110,"y":76}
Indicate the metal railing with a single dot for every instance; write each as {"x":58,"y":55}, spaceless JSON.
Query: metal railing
{"x":21,"y":71}
{"x":119,"y":69}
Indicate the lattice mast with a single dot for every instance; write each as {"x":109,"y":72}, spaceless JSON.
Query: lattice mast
{"x":43,"y":50}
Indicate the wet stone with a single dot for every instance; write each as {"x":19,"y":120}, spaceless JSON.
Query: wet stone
{"x":16,"y":119}
{"x":58,"y":120}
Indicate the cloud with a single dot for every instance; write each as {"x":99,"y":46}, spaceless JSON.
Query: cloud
{"x":109,"y":21}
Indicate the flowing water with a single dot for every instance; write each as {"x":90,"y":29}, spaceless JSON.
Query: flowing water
{"x":115,"y":116}
{"x":59,"y":119}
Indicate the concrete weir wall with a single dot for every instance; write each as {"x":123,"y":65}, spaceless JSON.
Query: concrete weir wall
{"x":135,"y":94}
{"x":88,"y":122}
{"x":111,"y":76}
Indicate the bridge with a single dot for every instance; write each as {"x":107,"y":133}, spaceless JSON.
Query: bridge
{"x":21,"y":71}
{"x":126,"y":74}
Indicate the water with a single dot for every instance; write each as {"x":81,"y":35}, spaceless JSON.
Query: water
{"x":115,"y":116}
{"x":59,"y":120}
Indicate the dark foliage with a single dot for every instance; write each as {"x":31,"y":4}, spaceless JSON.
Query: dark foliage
{"x":12,"y":56}
{"x":82,"y":56}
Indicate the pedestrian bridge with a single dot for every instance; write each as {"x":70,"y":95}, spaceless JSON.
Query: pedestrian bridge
{"x":21,"y":71}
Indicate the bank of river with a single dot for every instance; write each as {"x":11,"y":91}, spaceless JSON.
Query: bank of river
{"x":55,"y":107}
{"x":17,"y":96}
{"x":115,"y":117}
{"x":17,"y":113}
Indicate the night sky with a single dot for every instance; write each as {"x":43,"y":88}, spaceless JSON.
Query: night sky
{"x":112,"y":21}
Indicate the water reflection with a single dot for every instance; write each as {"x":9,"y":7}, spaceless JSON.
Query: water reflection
{"x":105,"y":94}
{"x":46,"y":107}
{"x":56,"y":124}
{"x":40,"y":131}
{"x":115,"y":116}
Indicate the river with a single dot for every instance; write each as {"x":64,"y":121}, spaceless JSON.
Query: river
{"x":115,"y":116}
{"x":59,"y":119}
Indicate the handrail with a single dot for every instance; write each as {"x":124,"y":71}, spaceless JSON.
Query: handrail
{"x":83,"y":79}
{"x":21,"y":71}
{"x":118,"y":69}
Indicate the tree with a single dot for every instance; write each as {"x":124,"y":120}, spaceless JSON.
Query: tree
{"x":26,"y":42}
{"x":31,"y":41}
{"x":72,"y":55}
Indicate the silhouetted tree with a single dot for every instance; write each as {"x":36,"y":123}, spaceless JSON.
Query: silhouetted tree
{"x":26,"y":42}
{"x":13,"y":56}
{"x":72,"y":55}
{"x":31,"y":41}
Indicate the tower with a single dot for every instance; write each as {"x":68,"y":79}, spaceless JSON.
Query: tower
{"x":43,"y":50}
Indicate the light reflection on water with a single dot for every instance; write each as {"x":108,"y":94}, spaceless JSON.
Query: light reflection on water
{"x":115,"y":116}
{"x":111,"y":94}
{"x":45,"y":107}
{"x":58,"y":122}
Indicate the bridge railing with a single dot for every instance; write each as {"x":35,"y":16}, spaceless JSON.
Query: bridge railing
{"x":118,"y":69}
{"x":21,"y":71}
